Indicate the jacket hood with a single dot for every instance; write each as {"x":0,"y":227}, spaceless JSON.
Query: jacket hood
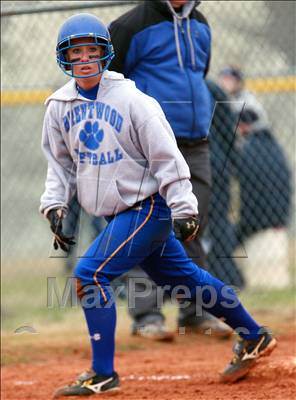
{"x":69,"y":91}
{"x":185,"y":10}
{"x":165,"y":7}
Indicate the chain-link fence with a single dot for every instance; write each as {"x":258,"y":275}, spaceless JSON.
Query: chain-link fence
{"x":251,"y":221}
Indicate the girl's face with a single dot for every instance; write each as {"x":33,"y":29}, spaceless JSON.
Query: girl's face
{"x":82,"y":53}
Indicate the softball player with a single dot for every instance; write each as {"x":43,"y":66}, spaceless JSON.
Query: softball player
{"x":111,"y":143}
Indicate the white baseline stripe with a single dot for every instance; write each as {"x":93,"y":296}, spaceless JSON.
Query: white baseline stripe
{"x":156,"y":378}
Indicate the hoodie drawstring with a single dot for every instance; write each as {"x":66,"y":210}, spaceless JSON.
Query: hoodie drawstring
{"x":178,"y":47}
{"x":192,"y":52}
{"x":187,"y":8}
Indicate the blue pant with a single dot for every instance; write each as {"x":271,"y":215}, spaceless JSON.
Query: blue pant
{"x":143,"y":236}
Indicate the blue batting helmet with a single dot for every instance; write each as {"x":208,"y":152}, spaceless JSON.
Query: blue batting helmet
{"x":83,"y":26}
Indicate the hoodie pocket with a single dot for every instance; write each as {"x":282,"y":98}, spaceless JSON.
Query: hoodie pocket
{"x":100,"y":197}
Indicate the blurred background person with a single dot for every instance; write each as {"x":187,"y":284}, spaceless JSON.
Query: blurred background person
{"x":232,"y":80}
{"x":265,"y":182}
{"x":264,"y":204}
{"x":261,"y":168}
{"x":220,"y":235}
{"x":260,"y":163}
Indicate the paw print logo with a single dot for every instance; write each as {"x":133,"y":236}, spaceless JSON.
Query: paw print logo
{"x":91,"y":135}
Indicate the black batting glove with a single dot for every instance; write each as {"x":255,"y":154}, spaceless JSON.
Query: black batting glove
{"x":186,"y":228}
{"x":55,"y":217}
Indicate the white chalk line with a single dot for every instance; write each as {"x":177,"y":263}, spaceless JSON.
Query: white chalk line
{"x":156,"y":378}
{"x":290,"y":361}
{"x":131,"y":377}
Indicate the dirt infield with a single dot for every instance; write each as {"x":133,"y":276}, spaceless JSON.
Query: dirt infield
{"x":186,"y":369}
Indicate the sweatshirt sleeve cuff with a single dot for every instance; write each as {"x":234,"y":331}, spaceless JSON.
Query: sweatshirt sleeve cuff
{"x":46,"y":210}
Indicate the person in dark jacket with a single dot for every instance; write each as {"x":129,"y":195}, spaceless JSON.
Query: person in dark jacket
{"x":221,"y":234}
{"x":165,"y":47}
{"x":264,"y":178}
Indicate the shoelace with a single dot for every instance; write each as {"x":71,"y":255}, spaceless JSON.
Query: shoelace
{"x":253,"y":353}
{"x":87,"y":383}
{"x":80,"y":380}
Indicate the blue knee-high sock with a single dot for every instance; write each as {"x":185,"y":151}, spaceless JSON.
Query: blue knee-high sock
{"x":101,"y":321}
{"x":228,"y":306}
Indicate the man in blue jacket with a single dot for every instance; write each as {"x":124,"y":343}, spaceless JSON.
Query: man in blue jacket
{"x":165,"y":47}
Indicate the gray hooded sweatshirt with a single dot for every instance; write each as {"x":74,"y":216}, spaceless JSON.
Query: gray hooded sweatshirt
{"x":114,"y":151}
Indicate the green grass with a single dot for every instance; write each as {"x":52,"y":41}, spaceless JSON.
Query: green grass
{"x":271,"y":300}
{"x":24,"y":299}
{"x":24,"y":293}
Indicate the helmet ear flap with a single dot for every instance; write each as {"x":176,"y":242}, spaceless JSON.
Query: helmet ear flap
{"x":61,"y":52}
{"x":64,"y":60}
{"x":108,"y":54}
{"x":68,"y":67}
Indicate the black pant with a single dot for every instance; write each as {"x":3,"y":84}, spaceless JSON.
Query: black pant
{"x":147,"y":308}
